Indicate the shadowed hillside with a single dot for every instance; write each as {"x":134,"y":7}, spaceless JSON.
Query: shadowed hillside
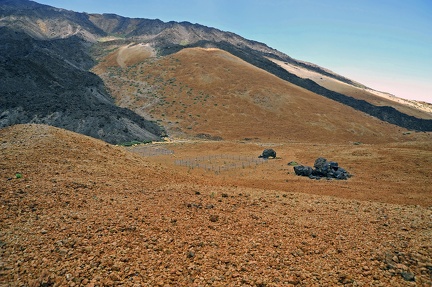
{"x":49,"y":82}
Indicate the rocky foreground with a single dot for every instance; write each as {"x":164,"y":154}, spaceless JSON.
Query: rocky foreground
{"x":75,"y":211}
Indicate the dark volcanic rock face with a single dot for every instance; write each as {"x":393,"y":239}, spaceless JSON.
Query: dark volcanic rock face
{"x":49,"y":82}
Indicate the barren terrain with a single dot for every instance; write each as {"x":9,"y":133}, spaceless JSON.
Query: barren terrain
{"x":413,"y":108}
{"x":76,"y":211}
{"x":198,"y":208}
{"x":209,"y":91}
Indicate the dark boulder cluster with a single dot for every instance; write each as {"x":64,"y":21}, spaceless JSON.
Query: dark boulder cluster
{"x":322,"y":169}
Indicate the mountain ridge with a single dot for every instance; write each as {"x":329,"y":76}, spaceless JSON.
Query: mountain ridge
{"x":50,"y":24}
{"x":139,"y":27}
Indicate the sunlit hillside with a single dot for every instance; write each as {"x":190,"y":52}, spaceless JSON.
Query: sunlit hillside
{"x":417,"y":109}
{"x":209,"y":91}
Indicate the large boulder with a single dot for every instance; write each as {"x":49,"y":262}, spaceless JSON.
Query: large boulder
{"x":303,"y":170}
{"x":323,"y":168}
{"x":268,"y":153}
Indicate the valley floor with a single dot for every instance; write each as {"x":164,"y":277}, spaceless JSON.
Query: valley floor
{"x":75,"y":211}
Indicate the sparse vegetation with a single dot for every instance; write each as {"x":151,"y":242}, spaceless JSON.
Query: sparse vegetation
{"x":220,"y":162}
{"x":132,"y":143}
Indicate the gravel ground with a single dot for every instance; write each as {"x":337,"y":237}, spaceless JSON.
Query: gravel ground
{"x":75,"y":211}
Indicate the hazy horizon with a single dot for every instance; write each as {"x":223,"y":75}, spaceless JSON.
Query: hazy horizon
{"x":384,"y":45}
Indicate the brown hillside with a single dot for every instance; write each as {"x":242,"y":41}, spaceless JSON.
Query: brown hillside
{"x":417,"y":109}
{"x":210,"y":91}
{"x":84,"y":213}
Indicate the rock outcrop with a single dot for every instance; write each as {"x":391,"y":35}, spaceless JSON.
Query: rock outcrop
{"x":322,"y":169}
{"x":268,"y":153}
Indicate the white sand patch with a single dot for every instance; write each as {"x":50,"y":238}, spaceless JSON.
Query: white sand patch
{"x":134,"y":53}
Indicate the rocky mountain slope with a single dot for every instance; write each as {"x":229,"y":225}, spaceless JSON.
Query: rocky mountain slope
{"x":95,"y":35}
{"x":49,"y":82}
{"x":171,"y":37}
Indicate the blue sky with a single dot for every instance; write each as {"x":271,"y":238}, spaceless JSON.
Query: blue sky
{"x":384,"y":44}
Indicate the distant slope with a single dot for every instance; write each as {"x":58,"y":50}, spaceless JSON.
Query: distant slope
{"x":48,"y":23}
{"x":48,"y":82}
{"x":209,"y":91}
{"x":409,"y":107}
{"x":385,"y":113}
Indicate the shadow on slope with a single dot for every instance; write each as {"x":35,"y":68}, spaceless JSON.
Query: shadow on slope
{"x":257,"y":58}
{"x":210,"y":91}
{"x":49,"y":82}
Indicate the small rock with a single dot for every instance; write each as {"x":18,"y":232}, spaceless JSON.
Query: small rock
{"x":268,"y":153}
{"x":401,"y":267}
{"x":214,"y":218}
{"x":345,"y":279}
{"x":293,"y":280}
{"x":408,"y":276}
{"x":191,"y":254}
{"x":115,"y":277}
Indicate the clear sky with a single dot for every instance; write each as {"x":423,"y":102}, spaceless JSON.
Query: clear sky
{"x":383,"y":44}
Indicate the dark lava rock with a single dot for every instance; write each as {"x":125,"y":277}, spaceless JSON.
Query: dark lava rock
{"x":408,"y":276}
{"x":303,"y":170}
{"x":191,"y":254}
{"x":322,"y":169}
{"x":329,"y":169}
{"x":214,"y":218}
{"x":268,"y":153}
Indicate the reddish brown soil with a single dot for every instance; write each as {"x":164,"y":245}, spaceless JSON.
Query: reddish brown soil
{"x":85,"y":213}
{"x":213,"y":92}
